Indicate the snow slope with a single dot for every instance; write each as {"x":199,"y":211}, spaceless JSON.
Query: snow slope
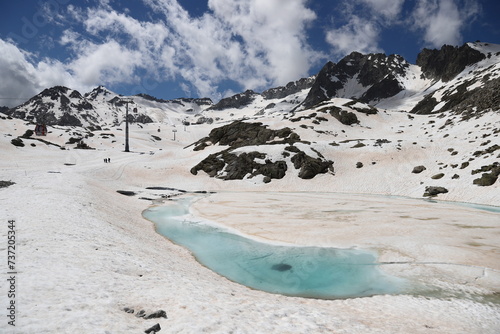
{"x":84,"y":253}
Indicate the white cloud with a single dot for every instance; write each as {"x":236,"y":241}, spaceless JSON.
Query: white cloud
{"x":389,"y":9}
{"x":358,"y":35}
{"x":442,"y":21}
{"x":273,"y":35}
{"x":17,"y":73}
{"x":24,"y":77}
{"x":256,"y":43}
{"x":359,"y":23}
{"x":106,"y":63}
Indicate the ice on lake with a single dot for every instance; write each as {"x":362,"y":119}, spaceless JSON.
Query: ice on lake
{"x":315,"y":272}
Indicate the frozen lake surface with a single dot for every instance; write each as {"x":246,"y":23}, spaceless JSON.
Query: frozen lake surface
{"x":325,"y":245}
{"x":317,"y":272}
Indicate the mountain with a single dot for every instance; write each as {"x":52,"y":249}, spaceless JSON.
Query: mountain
{"x":364,"y":77}
{"x":441,"y":79}
{"x":466,"y":79}
{"x":100,"y":108}
{"x":57,"y":106}
{"x":463,"y":79}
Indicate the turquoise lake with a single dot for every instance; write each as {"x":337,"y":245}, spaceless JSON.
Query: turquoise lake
{"x":312,"y":272}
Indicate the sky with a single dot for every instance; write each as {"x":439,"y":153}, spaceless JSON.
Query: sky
{"x":215,"y":48}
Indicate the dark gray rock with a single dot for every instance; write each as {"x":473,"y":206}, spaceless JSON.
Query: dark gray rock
{"x":17,"y":142}
{"x":157,"y":314}
{"x":154,"y":329}
{"x":309,"y":167}
{"x":437,"y":176}
{"x":343,"y":116}
{"x":5,"y":184}
{"x":359,"y":164}
{"x":28,"y":134}
{"x":387,"y":87}
{"x":425,"y":106}
{"x":236,"y":167}
{"x":126,"y":192}
{"x":488,"y":179}
{"x":418,"y":169}
{"x":432,"y":191}
{"x":239,"y":133}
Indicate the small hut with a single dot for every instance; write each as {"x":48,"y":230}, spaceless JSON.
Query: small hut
{"x":41,"y":130}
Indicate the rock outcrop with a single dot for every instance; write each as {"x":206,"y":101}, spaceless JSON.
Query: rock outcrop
{"x":434,"y":191}
{"x":446,"y":63}
{"x":239,"y":133}
{"x":376,"y":72}
{"x":233,"y":163}
{"x":235,"y":101}
{"x":290,"y":88}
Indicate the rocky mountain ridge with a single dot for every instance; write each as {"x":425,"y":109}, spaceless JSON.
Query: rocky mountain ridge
{"x":439,"y":81}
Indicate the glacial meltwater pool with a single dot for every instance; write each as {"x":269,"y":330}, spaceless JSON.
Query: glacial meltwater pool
{"x":314,"y":272}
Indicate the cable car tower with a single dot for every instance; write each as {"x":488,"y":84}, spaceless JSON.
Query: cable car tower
{"x":126,"y":102}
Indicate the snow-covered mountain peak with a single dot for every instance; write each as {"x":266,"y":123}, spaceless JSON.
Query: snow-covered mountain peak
{"x":100,"y":93}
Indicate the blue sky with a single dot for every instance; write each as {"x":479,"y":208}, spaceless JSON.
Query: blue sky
{"x":215,"y":48}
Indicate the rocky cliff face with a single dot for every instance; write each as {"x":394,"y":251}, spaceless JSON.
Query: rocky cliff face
{"x":375,"y":74}
{"x":292,"y":87}
{"x":182,"y":101}
{"x":470,"y":92}
{"x":235,"y":101}
{"x":446,"y":63}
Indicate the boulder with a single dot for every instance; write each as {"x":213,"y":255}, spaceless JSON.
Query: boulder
{"x":154,"y":329}
{"x":432,"y":191}
{"x":157,"y":314}
{"x":418,"y":169}
{"x":126,"y":192}
{"x":17,"y":142}
{"x":488,"y":179}
{"x":309,"y":167}
{"x":5,"y":184}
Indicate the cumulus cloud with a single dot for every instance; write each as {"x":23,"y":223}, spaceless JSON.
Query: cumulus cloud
{"x":254,"y":43}
{"x":358,"y":35}
{"x":360,"y":23}
{"x":273,"y":35}
{"x":442,"y":21}
{"x":24,"y":76}
{"x":388,"y":9}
